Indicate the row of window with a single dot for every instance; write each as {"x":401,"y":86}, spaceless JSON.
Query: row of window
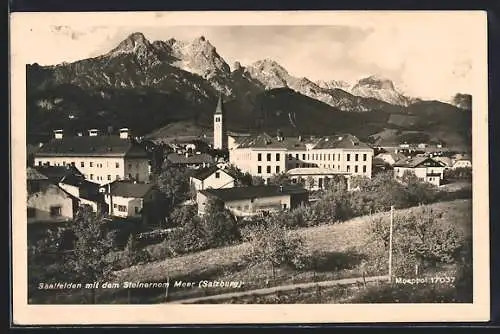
{"x":82,"y":164}
{"x":123,"y":208}
{"x":268,"y":170}
{"x":117,"y":177}
{"x":314,"y":156}
{"x":277,"y":169}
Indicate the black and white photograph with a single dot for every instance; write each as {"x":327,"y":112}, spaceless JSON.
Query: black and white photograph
{"x":248,"y":160}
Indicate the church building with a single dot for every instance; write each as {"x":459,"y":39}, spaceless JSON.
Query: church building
{"x":220,"y":133}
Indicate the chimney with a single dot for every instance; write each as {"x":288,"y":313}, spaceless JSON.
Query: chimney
{"x":281,"y":189}
{"x":79,"y":134}
{"x":300,"y":138}
{"x":58,"y":134}
{"x":93,"y":132}
{"x":124,"y":133}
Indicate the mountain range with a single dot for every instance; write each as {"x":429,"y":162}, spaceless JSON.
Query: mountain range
{"x":146,"y":85}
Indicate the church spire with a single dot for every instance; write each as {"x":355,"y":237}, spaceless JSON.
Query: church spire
{"x":220,"y":106}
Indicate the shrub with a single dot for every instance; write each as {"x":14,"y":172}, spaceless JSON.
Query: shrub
{"x":273,"y":243}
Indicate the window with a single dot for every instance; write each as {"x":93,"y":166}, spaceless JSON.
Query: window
{"x":115,"y":205}
{"x":364,"y":157}
{"x":269,"y":157}
{"x":338,"y":157}
{"x":259,"y":157}
{"x":259,"y":169}
{"x":290,"y":156}
{"x":348,"y":157}
{"x":109,"y":177}
{"x":364,"y":169}
{"x":91,"y":164}
{"x":277,"y":169}
{"x":73,"y":164}
{"x":117,"y":165}
{"x":303,"y":156}
{"x":328,"y":157}
{"x":297,"y":156}
{"x":217,"y":175}
{"x":356,"y":169}
{"x":55,"y":211}
{"x":268,"y":169}
{"x":137,"y":210}
{"x":31,"y":212}
{"x":39,"y":163}
{"x":91,"y":176}
{"x":64,"y":163}
{"x":217,"y":119}
{"x":356,"y":157}
{"x":348,"y":168}
{"x":284,"y":206}
{"x":82,"y":164}
{"x":277,"y":157}
{"x":122,"y":208}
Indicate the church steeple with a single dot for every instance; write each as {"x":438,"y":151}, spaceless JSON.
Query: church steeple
{"x":220,"y":135}
{"x":220,"y":106}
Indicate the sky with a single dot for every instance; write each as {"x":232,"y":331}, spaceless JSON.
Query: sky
{"x":430,"y":57}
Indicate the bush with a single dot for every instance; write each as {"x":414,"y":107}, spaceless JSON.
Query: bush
{"x":273,"y":243}
{"x":419,"y":237}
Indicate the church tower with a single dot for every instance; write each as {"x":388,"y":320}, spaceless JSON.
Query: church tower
{"x":220,"y":135}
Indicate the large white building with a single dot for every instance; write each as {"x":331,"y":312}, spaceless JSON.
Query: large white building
{"x":101,"y":158}
{"x":264,"y":155}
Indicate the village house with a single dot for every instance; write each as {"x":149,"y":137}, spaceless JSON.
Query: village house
{"x":211,"y":177}
{"x":264,"y":155}
{"x":425,"y":168}
{"x":56,"y":173}
{"x":127,"y":199}
{"x":462,"y":160}
{"x":191,"y":161}
{"x":47,"y":202}
{"x":87,"y":192}
{"x":314,"y":178}
{"x":390,"y":157}
{"x":101,"y":158}
{"x":254,"y":200}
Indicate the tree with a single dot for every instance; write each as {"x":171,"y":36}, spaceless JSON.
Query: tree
{"x":220,"y":225}
{"x":133,"y":254}
{"x":241,"y":179}
{"x":280,"y":179}
{"x":173,"y":182}
{"x":182,"y":215}
{"x":89,"y":259}
{"x":310,"y":182}
{"x":272,"y":243}
{"x":257,"y":180}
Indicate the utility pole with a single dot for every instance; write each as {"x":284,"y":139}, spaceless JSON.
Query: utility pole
{"x":390,"y":243}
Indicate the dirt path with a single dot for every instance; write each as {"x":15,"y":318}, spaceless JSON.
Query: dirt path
{"x":266,"y":291}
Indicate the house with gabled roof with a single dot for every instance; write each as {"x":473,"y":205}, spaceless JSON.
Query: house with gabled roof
{"x":211,"y":177}
{"x":86,"y":191}
{"x":425,"y":168}
{"x":265,"y":155}
{"x":254,"y":200}
{"x":127,"y":199}
{"x":46,"y":201}
{"x":102,"y":158}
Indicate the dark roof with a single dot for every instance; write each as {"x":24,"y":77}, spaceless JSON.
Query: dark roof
{"x":220,"y":106}
{"x":340,"y":141}
{"x":238,"y":193}
{"x":203,"y":173}
{"x":191,"y":159}
{"x":57,"y":173}
{"x":80,"y":182}
{"x":418,"y":161}
{"x":103,"y":145}
{"x":128,"y":189}
{"x":265,"y":140}
{"x":33,"y":174}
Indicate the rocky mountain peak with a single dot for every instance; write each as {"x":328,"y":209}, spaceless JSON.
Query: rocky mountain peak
{"x":135,"y":42}
{"x":376,"y":82}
